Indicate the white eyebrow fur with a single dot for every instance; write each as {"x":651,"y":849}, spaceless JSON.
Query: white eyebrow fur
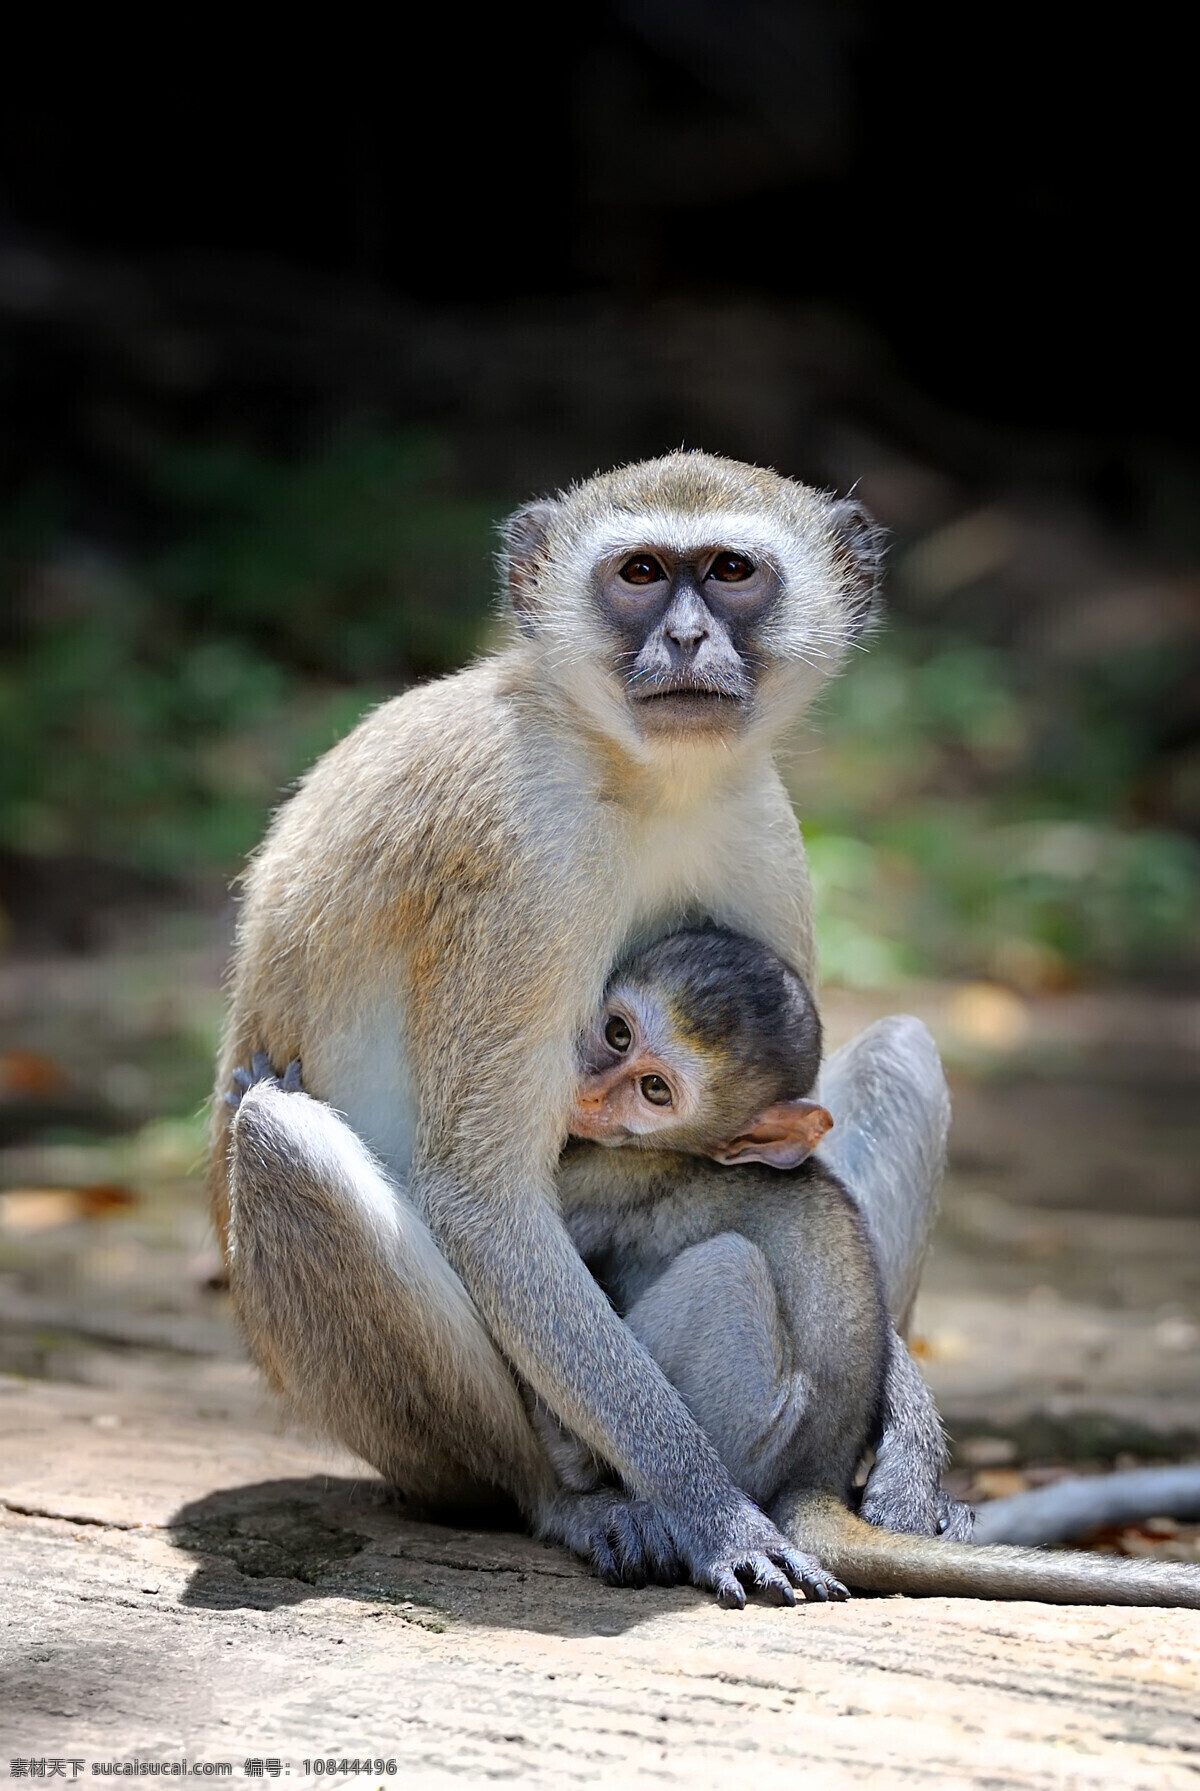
{"x":684,"y":534}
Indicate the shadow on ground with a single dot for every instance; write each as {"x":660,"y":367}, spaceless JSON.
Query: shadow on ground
{"x":280,"y":1542}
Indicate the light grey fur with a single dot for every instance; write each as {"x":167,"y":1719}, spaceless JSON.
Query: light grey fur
{"x":358,"y":1319}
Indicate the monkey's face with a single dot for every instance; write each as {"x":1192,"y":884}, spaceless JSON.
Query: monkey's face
{"x":650,"y":1076}
{"x":689,"y":599}
{"x":686,"y":631}
{"x":638,"y":1081}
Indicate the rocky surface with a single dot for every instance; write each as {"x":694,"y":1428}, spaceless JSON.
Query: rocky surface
{"x":178,"y":1587}
{"x":179,"y":1580}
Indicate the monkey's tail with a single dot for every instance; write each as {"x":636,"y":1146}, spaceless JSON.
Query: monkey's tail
{"x":1073,"y":1507}
{"x":877,"y":1560}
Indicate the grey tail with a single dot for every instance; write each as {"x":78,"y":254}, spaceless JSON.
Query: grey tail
{"x":1071,"y":1508}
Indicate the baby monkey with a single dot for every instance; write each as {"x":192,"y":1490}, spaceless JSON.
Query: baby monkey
{"x":743,"y":1266}
{"x":757,"y":1292}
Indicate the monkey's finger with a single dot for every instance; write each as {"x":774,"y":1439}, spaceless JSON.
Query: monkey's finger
{"x":810,"y":1576}
{"x":624,"y":1542}
{"x":807,"y":1573}
{"x":260,"y":1063}
{"x":765,"y":1577}
{"x":823,"y":1589}
{"x":290,"y":1080}
{"x":956,"y":1521}
{"x":624,"y":1545}
{"x":728,"y":1588}
{"x":604,"y":1561}
{"x":659,"y":1555}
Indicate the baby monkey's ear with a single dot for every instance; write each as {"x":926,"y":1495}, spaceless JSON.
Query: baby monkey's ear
{"x":782,"y":1135}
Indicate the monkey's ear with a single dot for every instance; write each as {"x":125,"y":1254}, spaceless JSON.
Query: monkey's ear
{"x":524,"y":535}
{"x":859,"y":545}
{"x":782,"y":1135}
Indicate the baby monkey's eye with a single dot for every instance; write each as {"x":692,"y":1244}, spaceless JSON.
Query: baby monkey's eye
{"x":617,"y":1034}
{"x":642,"y":569}
{"x":731,"y":568}
{"x":656,"y":1091}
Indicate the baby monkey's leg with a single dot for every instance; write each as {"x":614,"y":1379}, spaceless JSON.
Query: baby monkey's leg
{"x":891,"y":1111}
{"x":712,"y":1323}
{"x":356,"y":1316}
{"x":784,"y":1391}
{"x":903,"y":1490}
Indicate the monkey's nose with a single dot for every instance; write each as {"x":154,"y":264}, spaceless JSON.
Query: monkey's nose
{"x":589,"y":1103}
{"x":687,"y":639}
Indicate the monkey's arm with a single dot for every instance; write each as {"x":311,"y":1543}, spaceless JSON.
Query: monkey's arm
{"x":1073,"y":1507}
{"x":891,"y":1110}
{"x":884,"y":1561}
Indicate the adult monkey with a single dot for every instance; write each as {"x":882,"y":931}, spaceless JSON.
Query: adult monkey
{"x":431,"y":922}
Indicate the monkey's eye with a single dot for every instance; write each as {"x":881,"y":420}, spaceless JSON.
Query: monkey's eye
{"x":656,"y":1091}
{"x":731,"y":568}
{"x":642,"y":569}
{"x":617,"y":1034}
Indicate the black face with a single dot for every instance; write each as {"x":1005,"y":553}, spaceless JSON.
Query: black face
{"x":686,"y":628}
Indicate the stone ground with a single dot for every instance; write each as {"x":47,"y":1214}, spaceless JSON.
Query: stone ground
{"x":178,"y":1588}
{"x":183,"y":1579}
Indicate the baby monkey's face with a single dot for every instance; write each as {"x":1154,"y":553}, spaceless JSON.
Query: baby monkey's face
{"x":638,"y":1078}
{"x":646,"y":1080}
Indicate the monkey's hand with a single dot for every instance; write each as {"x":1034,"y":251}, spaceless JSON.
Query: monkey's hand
{"x":633,"y":1542}
{"x":625,"y":1540}
{"x":751,"y":1553}
{"x":261,"y":1071}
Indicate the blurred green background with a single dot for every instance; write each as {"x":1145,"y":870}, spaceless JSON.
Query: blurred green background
{"x":998,"y":787}
{"x":270,"y":372}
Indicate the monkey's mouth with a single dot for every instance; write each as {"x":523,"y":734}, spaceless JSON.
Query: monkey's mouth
{"x":688,"y":693}
{"x":697,"y":695}
{"x":687,"y":706}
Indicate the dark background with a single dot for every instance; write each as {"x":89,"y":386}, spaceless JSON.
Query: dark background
{"x":284,"y":328}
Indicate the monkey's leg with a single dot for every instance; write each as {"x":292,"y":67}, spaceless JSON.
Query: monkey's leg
{"x":354,"y":1313}
{"x":891,"y":1109}
{"x":356,"y":1316}
{"x":904,"y":1491}
{"x":712,"y":1323}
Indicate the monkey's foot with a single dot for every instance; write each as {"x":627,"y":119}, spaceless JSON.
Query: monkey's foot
{"x":915,"y":1510}
{"x":625,"y":1540}
{"x":261,"y":1071}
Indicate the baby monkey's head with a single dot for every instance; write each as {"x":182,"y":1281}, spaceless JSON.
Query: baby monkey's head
{"x":706,"y":1042}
